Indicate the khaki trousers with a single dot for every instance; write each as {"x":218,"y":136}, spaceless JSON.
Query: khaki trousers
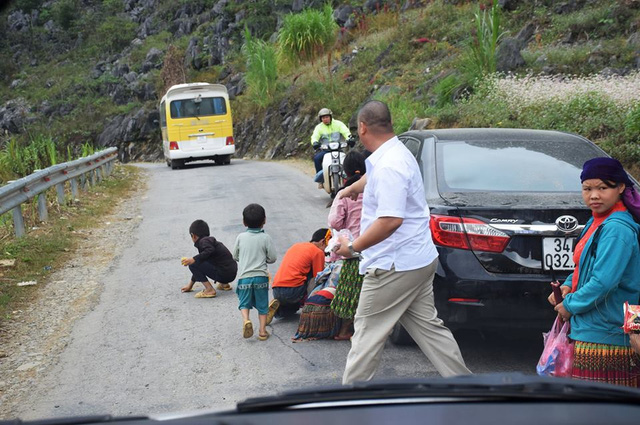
{"x":391,"y":296}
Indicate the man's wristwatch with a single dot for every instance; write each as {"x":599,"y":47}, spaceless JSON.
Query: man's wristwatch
{"x":352,"y":251}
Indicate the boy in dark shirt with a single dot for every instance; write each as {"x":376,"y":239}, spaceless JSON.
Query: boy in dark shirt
{"x":213,"y":260}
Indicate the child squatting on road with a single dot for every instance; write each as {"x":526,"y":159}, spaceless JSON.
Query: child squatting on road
{"x":253,"y":250}
{"x":213,"y":260}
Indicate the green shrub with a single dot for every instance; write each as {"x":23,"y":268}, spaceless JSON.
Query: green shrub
{"x":114,"y":34}
{"x":632,"y":123}
{"x":403,"y":109}
{"x":307,"y":34}
{"x":65,"y":13}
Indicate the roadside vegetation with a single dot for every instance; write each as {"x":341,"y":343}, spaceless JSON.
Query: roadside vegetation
{"x":437,"y":61}
{"x":424,"y":65}
{"x":47,"y":246}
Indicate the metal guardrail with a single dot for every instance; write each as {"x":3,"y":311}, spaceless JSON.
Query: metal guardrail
{"x":90,"y":169}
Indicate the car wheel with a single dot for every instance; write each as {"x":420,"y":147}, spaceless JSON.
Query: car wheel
{"x":399,"y":336}
{"x":176,"y":163}
{"x":219,"y":160}
{"x":227,"y":159}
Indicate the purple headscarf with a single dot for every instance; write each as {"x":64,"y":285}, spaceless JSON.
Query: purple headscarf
{"x":605,"y":169}
{"x":610,"y":169}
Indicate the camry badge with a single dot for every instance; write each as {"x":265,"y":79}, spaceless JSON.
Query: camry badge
{"x":567,"y":223}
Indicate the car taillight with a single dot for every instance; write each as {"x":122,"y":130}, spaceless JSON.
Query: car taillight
{"x":173,"y":146}
{"x":230,"y":140}
{"x":467,"y":233}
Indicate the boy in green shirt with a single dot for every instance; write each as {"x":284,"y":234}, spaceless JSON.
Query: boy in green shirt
{"x":253,"y":250}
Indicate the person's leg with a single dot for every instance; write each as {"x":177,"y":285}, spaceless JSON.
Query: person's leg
{"x":243,"y":290}
{"x":199,"y":272}
{"x":287,"y":300}
{"x":208,"y":288}
{"x":261,"y":294}
{"x":317,"y":160}
{"x":428,"y":331}
{"x":188,"y":287}
{"x":211,"y":271}
{"x":384,"y":298}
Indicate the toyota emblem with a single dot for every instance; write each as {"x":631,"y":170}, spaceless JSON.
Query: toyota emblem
{"x":567,"y":223}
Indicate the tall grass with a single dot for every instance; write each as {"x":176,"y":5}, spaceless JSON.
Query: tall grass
{"x":485,"y":38}
{"x":21,"y":157}
{"x":262,"y":69}
{"x":308,"y":34}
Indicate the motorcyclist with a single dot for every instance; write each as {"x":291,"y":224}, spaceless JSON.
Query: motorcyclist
{"x":326,"y":127}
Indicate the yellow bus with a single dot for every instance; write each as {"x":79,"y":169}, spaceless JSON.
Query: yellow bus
{"x":196,"y":124}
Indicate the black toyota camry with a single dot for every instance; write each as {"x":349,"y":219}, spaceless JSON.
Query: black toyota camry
{"x":506,"y":208}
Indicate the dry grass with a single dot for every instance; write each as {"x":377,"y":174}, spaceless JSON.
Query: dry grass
{"x":48,"y":245}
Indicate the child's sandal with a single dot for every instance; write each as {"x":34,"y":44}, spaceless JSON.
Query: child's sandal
{"x":247,"y":329}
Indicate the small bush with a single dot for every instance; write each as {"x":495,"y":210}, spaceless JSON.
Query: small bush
{"x":632,"y":123}
{"x":114,"y":33}
{"x":172,"y":70}
{"x":308,"y":34}
{"x":65,"y":13}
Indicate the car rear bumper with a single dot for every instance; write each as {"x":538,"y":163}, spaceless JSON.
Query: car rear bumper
{"x":503,"y":302}
{"x":204,"y":154}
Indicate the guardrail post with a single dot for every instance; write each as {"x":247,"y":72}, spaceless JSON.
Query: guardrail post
{"x":60,"y":191}
{"x":99,"y":171}
{"x":18,"y":221}
{"x":83,"y":181}
{"x":42,"y":207}
{"x":74,"y":188}
{"x":93,"y":177}
{"x":109,"y":167}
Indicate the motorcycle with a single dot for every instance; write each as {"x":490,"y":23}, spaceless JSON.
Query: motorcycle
{"x":332,"y":168}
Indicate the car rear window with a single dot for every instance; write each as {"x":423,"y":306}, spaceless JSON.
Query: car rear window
{"x":514,"y":165}
{"x":188,"y":108}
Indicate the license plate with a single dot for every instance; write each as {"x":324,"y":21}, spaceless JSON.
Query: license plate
{"x":557,"y":253}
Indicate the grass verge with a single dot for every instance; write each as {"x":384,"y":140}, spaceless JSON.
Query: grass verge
{"x":48,"y":245}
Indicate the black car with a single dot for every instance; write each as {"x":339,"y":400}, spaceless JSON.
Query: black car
{"x":506,"y":208}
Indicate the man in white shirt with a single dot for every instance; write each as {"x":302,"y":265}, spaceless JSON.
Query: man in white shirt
{"x":399,"y":258}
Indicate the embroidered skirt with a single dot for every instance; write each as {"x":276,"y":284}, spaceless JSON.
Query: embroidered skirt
{"x":316,"y":322}
{"x":613,"y":364}
{"x":345,"y":303}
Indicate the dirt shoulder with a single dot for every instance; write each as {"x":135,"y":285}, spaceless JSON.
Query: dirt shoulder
{"x":38,"y":331}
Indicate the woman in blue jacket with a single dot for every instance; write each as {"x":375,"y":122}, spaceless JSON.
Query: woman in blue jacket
{"x":607,"y":274}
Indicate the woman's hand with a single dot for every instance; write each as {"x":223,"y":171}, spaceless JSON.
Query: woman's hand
{"x":564,"y":289}
{"x":635,"y":342}
{"x":188,"y":261}
{"x":562,"y":312}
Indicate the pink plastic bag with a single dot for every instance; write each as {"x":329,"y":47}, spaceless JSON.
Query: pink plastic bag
{"x":557,"y":355}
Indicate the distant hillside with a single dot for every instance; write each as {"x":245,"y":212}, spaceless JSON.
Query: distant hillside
{"x":92,"y":71}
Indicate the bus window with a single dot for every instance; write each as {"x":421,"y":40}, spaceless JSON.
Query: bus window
{"x":188,"y":108}
{"x":163,"y":115}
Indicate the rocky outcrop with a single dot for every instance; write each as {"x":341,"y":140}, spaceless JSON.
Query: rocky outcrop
{"x":15,"y":116}
{"x":132,"y":133}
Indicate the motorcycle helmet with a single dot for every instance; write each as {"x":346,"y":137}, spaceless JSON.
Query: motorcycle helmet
{"x":323,"y":112}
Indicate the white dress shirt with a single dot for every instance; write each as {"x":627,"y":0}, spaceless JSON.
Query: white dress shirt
{"x":394,"y":189}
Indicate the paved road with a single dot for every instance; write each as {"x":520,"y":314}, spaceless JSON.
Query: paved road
{"x":147,"y":348}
